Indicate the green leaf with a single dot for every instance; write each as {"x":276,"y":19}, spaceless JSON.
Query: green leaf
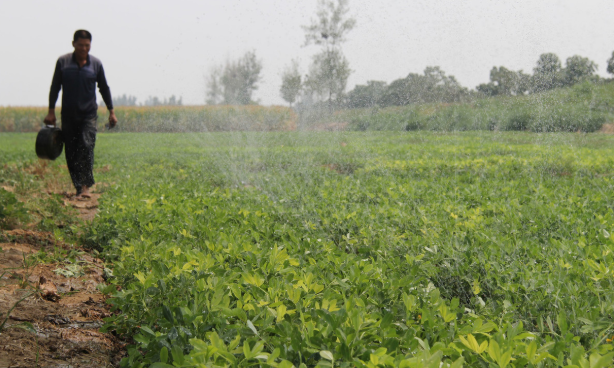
{"x":25,"y":326}
{"x":561,"y":320}
{"x":247,"y":352}
{"x":168,"y":314}
{"x":458,"y":363}
{"x":177,"y":354}
{"x":531,"y":349}
{"x":148,"y":330}
{"x":252,"y":327}
{"x":326,"y":355}
{"x":598,"y":361}
{"x":285,"y":364}
{"x":494,"y":351}
{"x":487,"y":327}
{"x":164,"y":354}
{"x":161,"y":365}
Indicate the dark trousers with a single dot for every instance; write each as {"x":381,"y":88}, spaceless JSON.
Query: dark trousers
{"x":79,"y":136}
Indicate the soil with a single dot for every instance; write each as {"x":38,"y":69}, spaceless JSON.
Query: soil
{"x":607,"y":128}
{"x":61,"y":301}
{"x":329,"y":127}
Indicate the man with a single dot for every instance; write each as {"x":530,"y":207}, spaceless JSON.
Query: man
{"x":77,"y":73}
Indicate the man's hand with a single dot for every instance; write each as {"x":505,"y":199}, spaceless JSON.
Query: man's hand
{"x":112,"y":119}
{"x":50,"y":118}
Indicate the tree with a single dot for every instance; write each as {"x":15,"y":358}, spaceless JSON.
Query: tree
{"x":290,"y":83}
{"x":328,"y":77}
{"x":436,"y":86}
{"x":235,"y":82}
{"x":330,"y":69}
{"x":547,"y":74}
{"x":431,"y":86}
{"x":505,"y":82}
{"x":578,"y":69}
{"x":123,"y":100}
{"x":331,"y":26}
{"x":155,"y":101}
{"x":215,"y":91}
{"x":366,"y":96}
{"x":611,"y":64}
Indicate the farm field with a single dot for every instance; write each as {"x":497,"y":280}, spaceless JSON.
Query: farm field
{"x":380,"y":249}
{"x":585,"y":107}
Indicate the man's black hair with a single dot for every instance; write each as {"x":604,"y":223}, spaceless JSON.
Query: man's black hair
{"x":82,"y":33}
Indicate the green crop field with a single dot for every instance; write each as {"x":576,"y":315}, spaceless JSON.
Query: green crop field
{"x":167,"y":119}
{"x":380,"y":249}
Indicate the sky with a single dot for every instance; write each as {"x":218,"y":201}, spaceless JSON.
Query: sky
{"x":163,"y":48}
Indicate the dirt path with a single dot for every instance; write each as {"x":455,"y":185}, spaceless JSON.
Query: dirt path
{"x":56,"y":324}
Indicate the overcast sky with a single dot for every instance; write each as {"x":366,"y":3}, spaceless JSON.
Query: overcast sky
{"x":163,"y":48}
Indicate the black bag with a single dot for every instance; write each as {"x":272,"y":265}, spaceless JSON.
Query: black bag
{"x":49,"y":143}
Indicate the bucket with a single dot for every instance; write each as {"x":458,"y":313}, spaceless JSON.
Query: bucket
{"x":49,"y":143}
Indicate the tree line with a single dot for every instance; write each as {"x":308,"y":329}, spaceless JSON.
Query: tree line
{"x":129,"y":100}
{"x":434,"y":86}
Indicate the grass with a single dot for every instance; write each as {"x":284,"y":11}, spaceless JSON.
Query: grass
{"x":358,"y":249}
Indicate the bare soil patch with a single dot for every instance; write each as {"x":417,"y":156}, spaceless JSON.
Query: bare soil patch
{"x":607,"y":129}
{"x":87,"y":208}
{"x":61,"y":301}
{"x":329,"y":127}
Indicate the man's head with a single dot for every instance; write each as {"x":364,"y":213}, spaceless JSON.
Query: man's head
{"x":82,"y":41}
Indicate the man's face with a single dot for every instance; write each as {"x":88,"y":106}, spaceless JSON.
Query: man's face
{"x":82,"y":47}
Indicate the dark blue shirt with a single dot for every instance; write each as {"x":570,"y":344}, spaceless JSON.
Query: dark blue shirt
{"x":79,"y":84}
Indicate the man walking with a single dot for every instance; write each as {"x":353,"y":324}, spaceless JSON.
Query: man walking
{"x":77,"y":73}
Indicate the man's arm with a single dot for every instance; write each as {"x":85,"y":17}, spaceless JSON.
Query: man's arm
{"x":105,"y":91}
{"x":56,"y":86}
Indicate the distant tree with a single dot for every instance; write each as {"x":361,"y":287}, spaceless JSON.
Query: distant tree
{"x":438,"y":87}
{"x":331,"y":26}
{"x":547,"y":74}
{"x":611,"y":64}
{"x":215,"y":90}
{"x":328,"y":77}
{"x":505,"y":82}
{"x":578,"y":69}
{"x":398,"y":92}
{"x":291,"y":83}
{"x":366,"y":96}
{"x":123,"y":100}
{"x":431,"y":86}
{"x":171,"y":101}
{"x":330,"y":69}
{"x":522,"y":84}
{"x":240,"y":79}
{"x":235,"y":82}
